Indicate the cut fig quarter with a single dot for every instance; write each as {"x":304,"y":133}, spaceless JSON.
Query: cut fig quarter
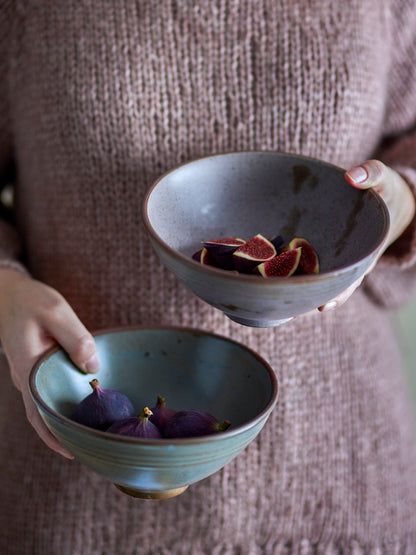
{"x":309,"y":262}
{"x":204,"y":257}
{"x":240,"y":256}
{"x":277,"y":242}
{"x":256,"y":250}
{"x":282,"y":265}
{"x":222,"y":250}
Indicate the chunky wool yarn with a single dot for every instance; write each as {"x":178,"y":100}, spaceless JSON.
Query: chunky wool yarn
{"x":97,"y":99}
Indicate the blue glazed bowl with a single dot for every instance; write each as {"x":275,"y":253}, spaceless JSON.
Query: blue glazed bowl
{"x":242,"y":194}
{"x":191,"y":369}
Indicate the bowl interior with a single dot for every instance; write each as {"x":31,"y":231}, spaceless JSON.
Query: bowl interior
{"x":242,"y":194}
{"x":191,"y":369}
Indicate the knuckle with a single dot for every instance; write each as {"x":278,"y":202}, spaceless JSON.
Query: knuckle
{"x":84,"y":348}
{"x":376,"y":169}
{"x":54,"y":306}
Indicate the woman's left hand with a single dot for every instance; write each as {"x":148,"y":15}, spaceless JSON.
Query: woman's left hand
{"x":399,"y":200}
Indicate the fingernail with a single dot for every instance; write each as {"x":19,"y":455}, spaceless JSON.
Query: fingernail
{"x":328,"y":306}
{"x":357,"y":174}
{"x":92,"y":364}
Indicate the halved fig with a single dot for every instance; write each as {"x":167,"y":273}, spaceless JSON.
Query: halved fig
{"x":204,"y":257}
{"x":282,"y":265}
{"x":222,"y":250}
{"x":309,"y":262}
{"x":256,"y":250}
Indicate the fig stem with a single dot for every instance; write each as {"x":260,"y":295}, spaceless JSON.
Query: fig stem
{"x":95,"y":384}
{"x":161,"y":401}
{"x":223,"y":426}
{"x":146,"y":412}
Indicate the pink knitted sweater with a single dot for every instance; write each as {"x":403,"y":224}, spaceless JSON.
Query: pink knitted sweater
{"x":97,"y":99}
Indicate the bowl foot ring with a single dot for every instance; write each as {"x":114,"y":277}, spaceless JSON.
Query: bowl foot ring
{"x":162,"y":494}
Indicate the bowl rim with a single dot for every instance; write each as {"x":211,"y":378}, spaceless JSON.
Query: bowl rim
{"x":248,"y":278}
{"x":163,"y":442}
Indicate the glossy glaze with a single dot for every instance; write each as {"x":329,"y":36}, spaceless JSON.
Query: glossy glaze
{"x":191,"y":369}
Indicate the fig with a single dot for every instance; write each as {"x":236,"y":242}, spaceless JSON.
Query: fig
{"x":136,"y":426}
{"x":161,"y":413}
{"x":256,"y":250}
{"x":277,"y":242}
{"x":282,"y":265}
{"x":102,"y":407}
{"x":193,"y":423}
{"x":222,"y":250}
{"x":204,"y":257}
{"x":309,"y":262}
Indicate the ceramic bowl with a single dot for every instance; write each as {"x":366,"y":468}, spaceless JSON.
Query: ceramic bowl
{"x":245,"y":193}
{"x":191,"y":369}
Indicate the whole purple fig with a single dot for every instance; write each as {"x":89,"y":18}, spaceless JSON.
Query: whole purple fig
{"x":102,"y":407}
{"x":138,"y":426}
{"x":161,"y":413}
{"x":192,"y":423}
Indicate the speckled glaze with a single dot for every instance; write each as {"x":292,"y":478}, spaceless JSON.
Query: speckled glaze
{"x":191,"y":369}
{"x":244,"y":193}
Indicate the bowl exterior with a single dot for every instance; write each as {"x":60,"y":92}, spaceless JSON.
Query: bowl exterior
{"x":241,"y":194}
{"x":152,"y":469}
{"x":218,"y":374}
{"x":259,"y":302}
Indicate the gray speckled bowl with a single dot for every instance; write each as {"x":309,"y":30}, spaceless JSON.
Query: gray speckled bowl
{"x":245,"y":193}
{"x":191,"y":369}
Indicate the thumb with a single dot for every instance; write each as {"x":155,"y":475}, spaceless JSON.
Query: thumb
{"x":391,"y":187}
{"x":372,"y":173}
{"x":71,"y":334}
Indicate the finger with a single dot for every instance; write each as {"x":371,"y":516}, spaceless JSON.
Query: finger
{"x":36,"y":421}
{"x":392,"y":188}
{"x":67,"y":329}
{"x":33,"y":344}
{"x":372,"y":173}
{"x":340,"y":299}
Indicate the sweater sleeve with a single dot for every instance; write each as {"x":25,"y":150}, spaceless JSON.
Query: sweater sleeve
{"x":9,"y":241}
{"x":393,"y":281}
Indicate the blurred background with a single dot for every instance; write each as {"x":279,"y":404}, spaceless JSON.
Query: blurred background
{"x":405,"y":323}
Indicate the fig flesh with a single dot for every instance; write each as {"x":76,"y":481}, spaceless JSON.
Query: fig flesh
{"x":256,"y":250}
{"x":138,"y":426}
{"x":309,"y":262}
{"x":161,"y":413}
{"x":193,"y":423}
{"x":204,"y":257}
{"x":102,"y":407}
{"x":282,"y":265}
{"x":222,"y":250}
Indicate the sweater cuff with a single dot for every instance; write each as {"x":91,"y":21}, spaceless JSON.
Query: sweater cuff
{"x":402,"y":252}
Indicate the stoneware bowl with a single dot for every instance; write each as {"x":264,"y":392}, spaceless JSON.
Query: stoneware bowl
{"x":245,"y":193}
{"x":191,"y":369}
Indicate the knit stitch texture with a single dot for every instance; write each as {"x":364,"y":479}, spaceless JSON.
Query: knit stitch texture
{"x":98,"y":99}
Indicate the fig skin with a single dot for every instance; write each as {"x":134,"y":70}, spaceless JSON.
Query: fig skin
{"x":277,"y":242}
{"x":309,"y":262}
{"x":137,"y":426}
{"x":161,"y":413}
{"x":256,"y":250}
{"x":282,"y":265}
{"x":193,"y":423}
{"x":222,"y":251}
{"x":203,"y":256}
{"x":102,"y":407}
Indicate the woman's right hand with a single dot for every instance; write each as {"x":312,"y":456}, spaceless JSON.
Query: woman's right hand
{"x":33,"y":318}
